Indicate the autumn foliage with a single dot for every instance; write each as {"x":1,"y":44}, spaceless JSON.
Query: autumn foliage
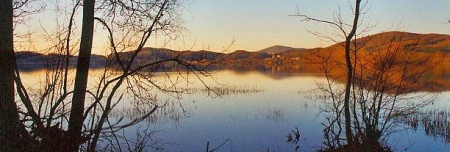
{"x":416,"y":62}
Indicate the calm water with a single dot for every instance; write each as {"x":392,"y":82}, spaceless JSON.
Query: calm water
{"x":251,"y":121}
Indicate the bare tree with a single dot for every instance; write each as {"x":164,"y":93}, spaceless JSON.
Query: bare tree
{"x":9,"y":118}
{"x":349,"y":36}
{"x":384,"y":75}
{"x":127,"y":70}
{"x":81,"y":79}
{"x":377,"y":80}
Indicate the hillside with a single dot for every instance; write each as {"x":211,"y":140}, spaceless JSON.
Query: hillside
{"x":409,"y":41}
{"x":429,"y":43}
{"x":288,"y":58}
{"x":415,"y":61}
{"x":29,"y":61}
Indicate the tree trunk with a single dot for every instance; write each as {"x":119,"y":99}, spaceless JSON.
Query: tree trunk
{"x":348,"y":128}
{"x":77,"y":110}
{"x":9,"y":117}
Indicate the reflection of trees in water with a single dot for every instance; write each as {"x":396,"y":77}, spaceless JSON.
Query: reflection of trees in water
{"x":434,"y":122}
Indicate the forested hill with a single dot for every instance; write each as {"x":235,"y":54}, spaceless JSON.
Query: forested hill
{"x":275,"y":55}
{"x":427,"y":43}
{"x":408,"y":41}
{"x":29,"y":61}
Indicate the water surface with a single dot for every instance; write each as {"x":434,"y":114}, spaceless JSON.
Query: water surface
{"x":257,"y":120}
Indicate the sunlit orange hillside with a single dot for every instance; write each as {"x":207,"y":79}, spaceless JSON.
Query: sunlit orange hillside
{"x":418,"y":60}
{"x":429,"y":43}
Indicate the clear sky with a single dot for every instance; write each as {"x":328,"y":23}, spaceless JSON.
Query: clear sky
{"x":257,"y":24}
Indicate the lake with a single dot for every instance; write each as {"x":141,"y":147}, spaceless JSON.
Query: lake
{"x":257,"y":116}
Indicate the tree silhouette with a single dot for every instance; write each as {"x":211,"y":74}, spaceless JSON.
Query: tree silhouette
{"x":349,"y":36}
{"x":10,"y":136}
{"x":124,"y":72}
{"x":376,"y":79}
{"x":81,"y":78}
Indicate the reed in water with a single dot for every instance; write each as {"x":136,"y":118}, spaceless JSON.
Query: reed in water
{"x":227,"y":89}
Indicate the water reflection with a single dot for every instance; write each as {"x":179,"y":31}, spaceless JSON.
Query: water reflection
{"x":257,"y":111}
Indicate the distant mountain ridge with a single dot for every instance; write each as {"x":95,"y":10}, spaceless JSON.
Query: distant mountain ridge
{"x":278,"y":49}
{"x":410,"y":41}
{"x":29,"y":61}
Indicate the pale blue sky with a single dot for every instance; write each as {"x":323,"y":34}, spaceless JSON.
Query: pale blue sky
{"x":256,"y":24}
